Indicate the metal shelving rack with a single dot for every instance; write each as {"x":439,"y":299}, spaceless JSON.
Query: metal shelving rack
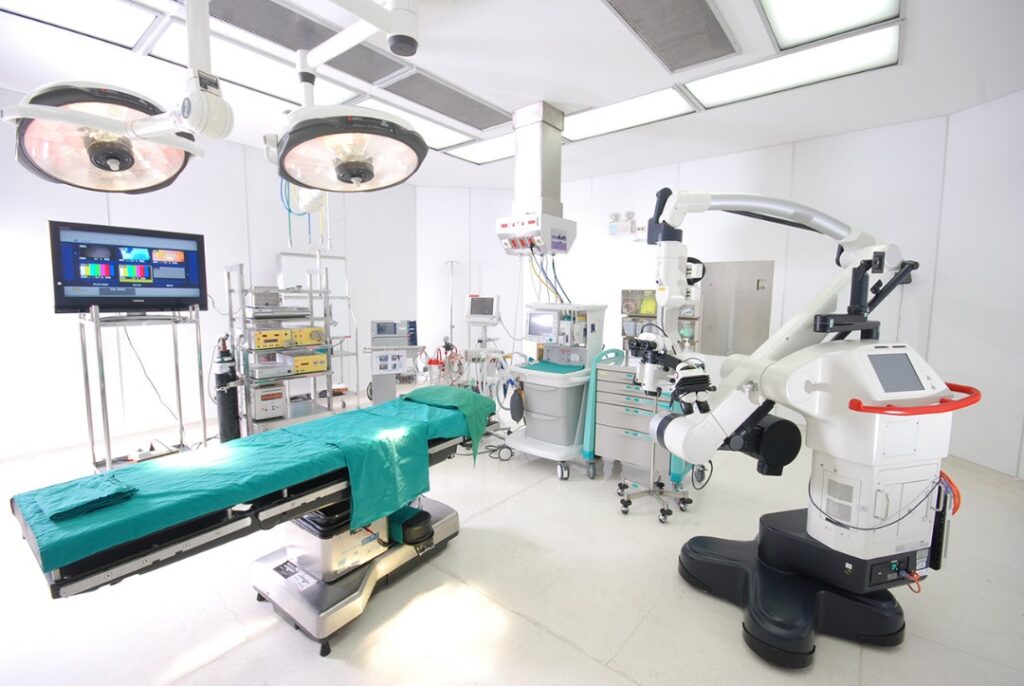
{"x":241,"y":327}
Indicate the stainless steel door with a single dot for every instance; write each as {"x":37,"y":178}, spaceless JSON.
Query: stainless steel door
{"x":736,"y":306}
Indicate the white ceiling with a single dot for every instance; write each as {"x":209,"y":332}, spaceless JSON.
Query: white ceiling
{"x":577,"y":54}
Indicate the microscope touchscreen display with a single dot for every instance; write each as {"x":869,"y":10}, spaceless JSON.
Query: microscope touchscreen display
{"x":896,"y":373}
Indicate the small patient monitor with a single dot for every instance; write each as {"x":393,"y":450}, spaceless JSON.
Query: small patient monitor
{"x":483,"y":310}
{"x":540,"y":326}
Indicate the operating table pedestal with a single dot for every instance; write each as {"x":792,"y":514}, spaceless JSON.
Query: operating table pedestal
{"x":321,"y":608}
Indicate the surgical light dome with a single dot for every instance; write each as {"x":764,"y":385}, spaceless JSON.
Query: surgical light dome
{"x":348,"y":149}
{"x":95,"y":158}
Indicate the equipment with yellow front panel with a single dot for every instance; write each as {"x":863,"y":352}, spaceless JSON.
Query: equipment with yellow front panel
{"x":307,"y":363}
{"x":268,"y":339}
{"x":308,"y":335}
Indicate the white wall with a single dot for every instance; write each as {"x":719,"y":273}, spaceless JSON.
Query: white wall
{"x":896,"y":182}
{"x":231,"y":197}
{"x":457,"y":224}
{"x":978,"y":313}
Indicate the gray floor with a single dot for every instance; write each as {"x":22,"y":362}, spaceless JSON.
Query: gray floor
{"x":547,"y":583}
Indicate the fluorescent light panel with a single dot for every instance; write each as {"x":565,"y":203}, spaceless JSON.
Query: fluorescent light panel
{"x":644,"y":109}
{"x":865,"y":51}
{"x":112,"y":20}
{"x":436,"y":135}
{"x":249,"y":68}
{"x":488,"y":150}
{"x":795,"y":22}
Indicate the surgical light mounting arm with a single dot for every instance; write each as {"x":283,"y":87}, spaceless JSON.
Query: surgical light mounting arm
{"x":201,"y":111}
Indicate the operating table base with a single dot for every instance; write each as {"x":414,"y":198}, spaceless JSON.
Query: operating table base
{"x":320,"y":609}
{"x":784,"y":609}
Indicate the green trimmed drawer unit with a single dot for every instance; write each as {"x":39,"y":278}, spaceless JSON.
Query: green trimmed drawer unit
{"x":623,"y":414}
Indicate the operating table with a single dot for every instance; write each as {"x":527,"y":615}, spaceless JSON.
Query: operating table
{"x":345,"y":537}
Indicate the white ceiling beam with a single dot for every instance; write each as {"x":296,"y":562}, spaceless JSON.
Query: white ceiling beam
{"x":341,"y":42}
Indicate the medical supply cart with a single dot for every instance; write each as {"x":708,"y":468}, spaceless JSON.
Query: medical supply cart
{"x":623,"y":415}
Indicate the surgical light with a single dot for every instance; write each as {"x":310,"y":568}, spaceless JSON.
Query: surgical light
{"x":96,"y":158}
{"x":346,"y":149}
{"x":842,"y":57}
{"x":795,"y":22}
{"x":644,"y":109}
{"x":488,"y":150}
{"x":103,"y":138}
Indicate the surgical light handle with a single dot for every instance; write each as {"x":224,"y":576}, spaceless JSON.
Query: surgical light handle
{"x":971,"y":396}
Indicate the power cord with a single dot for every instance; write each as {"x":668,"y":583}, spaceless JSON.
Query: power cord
{"x":706,"y":480}
{"x":500,"y":452}
{"x":146,"y":374}
{"x":927,"y":494}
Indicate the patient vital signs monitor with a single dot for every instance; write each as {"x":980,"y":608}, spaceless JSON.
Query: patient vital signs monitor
{"x":123,"y":270}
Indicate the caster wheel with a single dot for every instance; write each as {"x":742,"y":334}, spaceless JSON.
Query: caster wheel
{"x":620,"y":492}
{"x":662,"y":518}
{"x":624,"y":510}
{"x":660,"y":485}
{"x":562,"y":471}
{"x":260,"y":598}
{"x":591,"y":469}
{"x":683,"y":502}
{"x":325,"y":649}
{"x":665,"y":512}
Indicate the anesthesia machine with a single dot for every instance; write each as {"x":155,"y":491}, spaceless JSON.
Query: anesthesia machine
{"x":568,"y":339}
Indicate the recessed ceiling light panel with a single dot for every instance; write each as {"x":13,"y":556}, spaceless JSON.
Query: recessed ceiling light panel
{"x":795,"y":22}
{"x":112,"y":20}
{"x":485,"y":151}
{"x":437,"y":136}
{"x":663,"y":104}
{"x":862,"y":52}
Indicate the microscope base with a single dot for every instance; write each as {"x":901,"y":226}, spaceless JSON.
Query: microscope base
{"x":783,"y":609}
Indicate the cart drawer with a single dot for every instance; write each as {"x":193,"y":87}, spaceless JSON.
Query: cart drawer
{"x":625,"y":445}
{"x":616,"y":374}
{"x":620,"y":388}
{"x":638,"y":400}
{"x":616,"y":416}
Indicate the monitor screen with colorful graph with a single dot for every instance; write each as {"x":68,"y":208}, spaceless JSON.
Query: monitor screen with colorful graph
{"x":123,"y":270}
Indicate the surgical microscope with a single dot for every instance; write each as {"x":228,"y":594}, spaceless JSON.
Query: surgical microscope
{"x":877,"y":424}
{"x":661,"y":366}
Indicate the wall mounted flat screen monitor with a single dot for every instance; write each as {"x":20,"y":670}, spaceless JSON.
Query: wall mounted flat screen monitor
{"x":125,"y":270}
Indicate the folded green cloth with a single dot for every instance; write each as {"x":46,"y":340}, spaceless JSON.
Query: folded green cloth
{"x":474,"y":407}
{"x":552,"y":367}
{"x":77,"y":497}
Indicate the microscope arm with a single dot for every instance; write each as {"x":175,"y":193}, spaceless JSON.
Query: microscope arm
{"x":739,"y":394}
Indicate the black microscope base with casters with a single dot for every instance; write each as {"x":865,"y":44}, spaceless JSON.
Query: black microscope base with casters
{"x":784,"y":607}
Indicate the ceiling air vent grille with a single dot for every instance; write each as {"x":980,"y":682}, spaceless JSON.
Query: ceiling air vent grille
{"x":680,"y":33}
{"x":292,"y":30}
{"x":432,"y":94}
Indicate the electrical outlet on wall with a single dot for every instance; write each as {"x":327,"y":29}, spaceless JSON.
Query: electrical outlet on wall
{"x":621,"y":224}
